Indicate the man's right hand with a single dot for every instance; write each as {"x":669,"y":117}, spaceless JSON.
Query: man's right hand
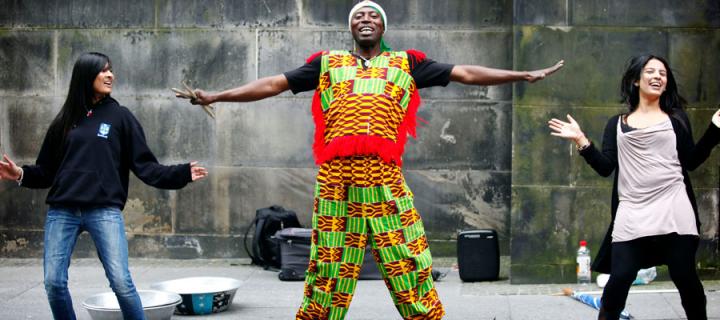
{"x":203,"y":98}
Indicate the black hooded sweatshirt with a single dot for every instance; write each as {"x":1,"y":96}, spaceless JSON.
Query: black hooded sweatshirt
{"x":92,"y":168}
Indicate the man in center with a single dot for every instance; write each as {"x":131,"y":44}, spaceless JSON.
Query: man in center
{"x":364,"y":107}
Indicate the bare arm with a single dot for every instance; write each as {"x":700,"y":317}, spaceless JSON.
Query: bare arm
{"x":255,"y":90}
{"x":479,"y":75}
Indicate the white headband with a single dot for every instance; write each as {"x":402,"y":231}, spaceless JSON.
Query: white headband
{"x":367,"y":3}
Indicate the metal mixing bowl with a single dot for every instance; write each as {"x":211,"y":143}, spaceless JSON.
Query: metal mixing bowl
{"x":157,"y":305}
{"x":201,"y":295}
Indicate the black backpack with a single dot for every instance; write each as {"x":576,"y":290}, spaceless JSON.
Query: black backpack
{"x":264,"y":251}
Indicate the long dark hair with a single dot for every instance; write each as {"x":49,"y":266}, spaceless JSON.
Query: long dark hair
{"x":80,"y":95}
{"x":669,"y":100}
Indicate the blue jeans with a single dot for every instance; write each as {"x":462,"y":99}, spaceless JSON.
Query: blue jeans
{"x":107,"y":229}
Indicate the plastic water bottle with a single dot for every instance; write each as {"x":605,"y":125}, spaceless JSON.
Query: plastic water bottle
{"x":595,"y":302}
{"x":644,"y":276}
{"x":584,"y":275}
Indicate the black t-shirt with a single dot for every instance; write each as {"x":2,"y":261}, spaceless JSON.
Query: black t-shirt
{"x":427,"y":73}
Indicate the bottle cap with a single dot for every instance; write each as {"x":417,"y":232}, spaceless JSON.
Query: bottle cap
{"x":583,"y":243}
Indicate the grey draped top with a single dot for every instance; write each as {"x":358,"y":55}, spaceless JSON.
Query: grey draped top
{"x":652,"y":195}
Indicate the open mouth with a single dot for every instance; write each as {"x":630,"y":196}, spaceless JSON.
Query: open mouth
{"x":656,"y":85}
{"x":366,"y":30}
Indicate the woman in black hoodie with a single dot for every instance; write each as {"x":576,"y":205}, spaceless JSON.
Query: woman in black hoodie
{"x":85,"y":160}
{"x":655,"y":220}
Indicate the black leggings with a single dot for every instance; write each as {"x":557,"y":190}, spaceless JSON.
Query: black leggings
{"x":628,"y":257}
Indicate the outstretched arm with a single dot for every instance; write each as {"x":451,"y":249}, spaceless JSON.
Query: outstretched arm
{"x":479,"y":75}
{"x":143,"y":163}
{"x":569,"y":130}
{"x":197,"y":172}
{"x":9,"y":170}
{"x":255,"y":90}
{"x":36,"y":176}
{"x":693,"y":155}
{"x":604,"y":162}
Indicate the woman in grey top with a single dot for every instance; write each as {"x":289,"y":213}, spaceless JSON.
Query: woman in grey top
{"x":650,"y":148}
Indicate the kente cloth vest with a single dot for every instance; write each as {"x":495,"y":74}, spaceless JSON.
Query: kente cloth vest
{"x":364,"y":110}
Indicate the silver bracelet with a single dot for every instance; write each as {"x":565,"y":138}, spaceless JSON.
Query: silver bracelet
{"x":585,"y":146}
{"x":19,"y":180}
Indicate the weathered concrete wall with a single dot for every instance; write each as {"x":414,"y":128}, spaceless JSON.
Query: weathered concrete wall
{"x":481,"y":148}
{"x":557,"y":199}
{"x":258,"y":153}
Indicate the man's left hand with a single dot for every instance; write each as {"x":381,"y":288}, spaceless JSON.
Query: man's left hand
{"x":542,"y":73}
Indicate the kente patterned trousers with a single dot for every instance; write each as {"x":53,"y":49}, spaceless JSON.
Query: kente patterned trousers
{"x":360,"y":199}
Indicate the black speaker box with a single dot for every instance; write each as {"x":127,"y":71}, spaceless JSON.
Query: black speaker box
{"x":478,"y":255}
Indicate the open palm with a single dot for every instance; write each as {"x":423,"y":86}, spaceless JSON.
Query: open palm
{"x":536,"y":75}
{"x":197,"y":172}
{"x":8,"y":169}
{"x":569,"y":130}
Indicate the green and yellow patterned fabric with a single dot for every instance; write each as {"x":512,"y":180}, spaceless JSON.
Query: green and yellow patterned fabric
{"x":364,"y":105}
{"x":361,"y":200}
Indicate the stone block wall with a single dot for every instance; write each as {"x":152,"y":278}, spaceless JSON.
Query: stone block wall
{"x":556,"y":196}
{"x":258,"y":153}
{"x":483,"y":158}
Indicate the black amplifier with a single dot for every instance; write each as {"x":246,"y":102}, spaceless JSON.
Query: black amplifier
{"x":478,"y":255}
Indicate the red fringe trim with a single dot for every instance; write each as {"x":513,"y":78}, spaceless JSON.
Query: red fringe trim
{"x":419,"y":55}
{"x":388,"y":150}
{"x":364,"y":145}
{"x":313,"y":56}
{"x":317,"y":114}
{"x":409,"y":123}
